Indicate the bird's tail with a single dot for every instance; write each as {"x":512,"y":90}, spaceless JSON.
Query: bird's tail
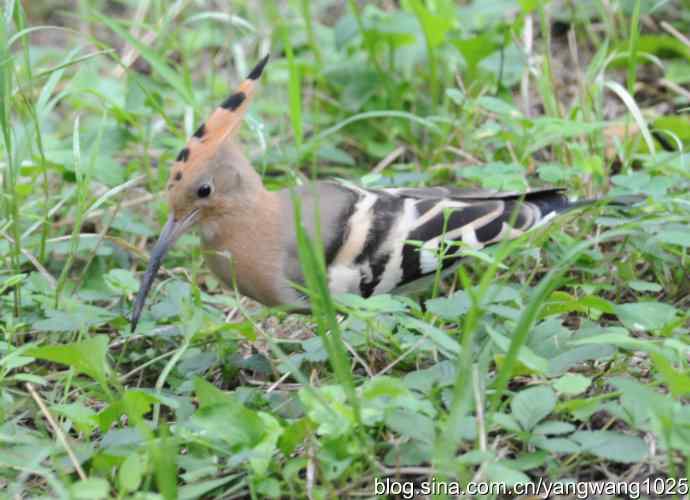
{"x":627,"y":200}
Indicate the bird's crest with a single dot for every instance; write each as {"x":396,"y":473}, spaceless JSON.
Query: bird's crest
{"x":223,"y":122}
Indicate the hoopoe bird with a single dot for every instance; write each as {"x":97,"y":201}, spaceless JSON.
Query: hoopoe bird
{"x":375,"y":240}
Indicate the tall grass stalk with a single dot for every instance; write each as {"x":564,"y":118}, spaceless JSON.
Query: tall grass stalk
{"x":419,"y":12}
{"x":83,"y":184}
{"x":308,"y":16}
{"x":369,"y":42}
{"x":633,"y":43}
{"x":537,"y":299}
{"x":294,"y":91}
{"x":21,"y":22}
{"x":11,"y":197}
{"x":323,"y":308}
{"x":546,"y":80}
{"x":449,"y":437}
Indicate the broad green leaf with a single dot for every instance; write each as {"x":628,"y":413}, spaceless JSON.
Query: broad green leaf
{"x":528,"y":461}
{"x":645,"y":316}
{"x":662,"y":45}
{"x":556,"y":445}
{"x":458,"y":303}
{"x":553,"y":427}
{"x":231,"y":423}
{"x":640,"y":401}
{"x":452,"y":307}
{"x":436,"y":335}
{"x":435,"y":26}
{"x":201,"y":488}
{"x":269,"y":488}
{"x":130,"y":474}
{"x":677,"y":237}
{"x":345,"y":31}
{"x":222,"y":416}
{"x":83,"y":418}
{"x":530,"y":5}
{"x":456,"y":95}
{"x":677,"y":125}
{"x":122,"y":441}
{"x":93,"y":488}
{"x":530,"y":406}
{"x":209,"y":395}
{"x":506,"y":421}
{"x":335,"y":420}
{"x":678,"y":72}
{"x":678,"y":381}
{"x":122,"y":281}
{"x":555,"y":173}
{"x":499,"y":107}
{"x":11,"y":282}
{"x":14,"y":359}
{"x":409,"y":452}
{"x":294,"y":434}
{"x":396,"y":28}
{"x":87,"y":357}
{"x":330,"y":153}
{"x":412,"y":425}
{"x":645,"y":286}
{"x":612,"y":445}
{"x":581,"y":409}
{"x":476,"y":48}
{"x":164,"y":453}
{"x":497,"y":175}
{"x":136,"y":404}
{"x":501,"y":472}
{"x":262,"y":453}
{"x":618,"y":337}
{"x":641,"y":182}
{"x":580,"y":353}
{"x":526,"y":355}
{"x":377,"y":303}
{"x":383,"y":386}
{"x":442,"y":373}
{"x":548,"y":130}
{"x":476,"y":457}
{"x":73,"y":318}
{"x":572,"y":384}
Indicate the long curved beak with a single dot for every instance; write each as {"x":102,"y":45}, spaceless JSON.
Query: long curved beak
{"x":171,"y":232}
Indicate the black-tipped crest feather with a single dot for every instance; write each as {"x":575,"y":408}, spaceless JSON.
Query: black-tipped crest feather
{"x":258,"y":69}
{"x":234,"y":101}
{"x":200,"y":131}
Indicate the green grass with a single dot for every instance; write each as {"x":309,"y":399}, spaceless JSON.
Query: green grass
{"x":561,"y":356}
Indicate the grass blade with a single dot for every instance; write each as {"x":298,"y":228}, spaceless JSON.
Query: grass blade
{"x":160,"y":66}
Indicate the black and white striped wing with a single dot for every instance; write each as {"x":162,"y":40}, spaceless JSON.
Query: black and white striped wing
{"x":393,"y":237}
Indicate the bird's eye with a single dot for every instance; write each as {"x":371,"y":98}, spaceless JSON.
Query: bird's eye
{"x":203,"y":191}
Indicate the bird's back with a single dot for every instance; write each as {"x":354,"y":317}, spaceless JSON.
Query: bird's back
{"x":377,"y":240}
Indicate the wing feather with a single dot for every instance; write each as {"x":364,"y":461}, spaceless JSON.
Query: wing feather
{"x":475,"y":218}
{"x":387,"y":238}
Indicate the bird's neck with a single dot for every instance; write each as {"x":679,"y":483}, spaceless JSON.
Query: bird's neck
{"x":244,"y":246}
{"x":241,"y":217}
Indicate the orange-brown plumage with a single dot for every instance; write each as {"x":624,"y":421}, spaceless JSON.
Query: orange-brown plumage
{"x":249,"y":233}
{"x":210,"y":163}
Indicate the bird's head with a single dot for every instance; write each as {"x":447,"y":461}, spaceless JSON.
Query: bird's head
{"x":210,"y":175}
